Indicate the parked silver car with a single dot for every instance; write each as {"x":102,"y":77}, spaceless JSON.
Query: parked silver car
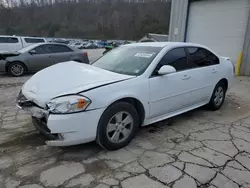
{"x":38,"y":56}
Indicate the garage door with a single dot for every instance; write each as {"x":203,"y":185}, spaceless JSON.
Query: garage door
{"x":219,"y":24}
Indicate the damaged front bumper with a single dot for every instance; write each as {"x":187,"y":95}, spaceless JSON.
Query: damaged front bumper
{"x":62,"y":129}
{"x":41,"y":127}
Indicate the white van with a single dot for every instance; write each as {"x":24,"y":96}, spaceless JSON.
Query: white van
{"x":14,"y":43}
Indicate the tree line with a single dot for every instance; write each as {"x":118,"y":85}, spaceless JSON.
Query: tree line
{"x":93,"y":19}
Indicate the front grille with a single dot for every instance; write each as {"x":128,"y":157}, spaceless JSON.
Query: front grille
{"x":26,"y":104}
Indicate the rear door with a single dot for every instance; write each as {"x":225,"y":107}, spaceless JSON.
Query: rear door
{"x":59,"y":53}
{"x":204,"y":68}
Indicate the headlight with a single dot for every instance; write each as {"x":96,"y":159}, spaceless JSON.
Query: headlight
{"x":68,"y":104}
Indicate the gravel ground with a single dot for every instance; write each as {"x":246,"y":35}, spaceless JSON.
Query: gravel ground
{"x":197,"y":149}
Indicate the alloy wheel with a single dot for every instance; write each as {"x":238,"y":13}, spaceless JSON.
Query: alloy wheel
{"x":119,"y":127}
{"x":17,"y":69}
{"x":218,"y":96}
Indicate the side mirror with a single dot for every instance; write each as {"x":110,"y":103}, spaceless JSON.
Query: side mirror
{"x":166,"y":69}
{"x":32,"y":52}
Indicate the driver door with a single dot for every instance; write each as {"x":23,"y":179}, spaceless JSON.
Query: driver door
{"x":170,"y":93}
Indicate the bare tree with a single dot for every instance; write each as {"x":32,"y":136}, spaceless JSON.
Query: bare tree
{"x":117,"y":19}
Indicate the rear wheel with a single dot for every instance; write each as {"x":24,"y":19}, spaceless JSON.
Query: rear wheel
{"x":16,"y":69}
{"x":117,"y":126}
{"x":218,"y":96}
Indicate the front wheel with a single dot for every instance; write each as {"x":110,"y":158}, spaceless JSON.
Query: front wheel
{"x":218,"y":96}
{"x":117,"y":126}
{"x":16,"y":69}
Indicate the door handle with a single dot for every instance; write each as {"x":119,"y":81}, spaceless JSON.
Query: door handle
{"x":186,"y":77}
{"x":214,"y":70}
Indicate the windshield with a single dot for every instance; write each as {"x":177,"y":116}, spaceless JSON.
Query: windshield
{"x":130,"y":60}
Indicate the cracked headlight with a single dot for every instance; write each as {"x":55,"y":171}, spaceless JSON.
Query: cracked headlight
{"x":68,"y":104}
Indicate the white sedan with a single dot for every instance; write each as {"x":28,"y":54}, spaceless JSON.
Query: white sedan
{"x":131,"y":86}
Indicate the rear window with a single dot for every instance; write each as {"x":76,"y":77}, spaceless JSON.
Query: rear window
{"x":8,"y":40}
{"x":61,"y":48}
{"x":33,"y":40}
{"x":56,"y":48}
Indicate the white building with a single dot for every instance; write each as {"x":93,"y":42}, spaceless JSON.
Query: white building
{"x":223,"y":25}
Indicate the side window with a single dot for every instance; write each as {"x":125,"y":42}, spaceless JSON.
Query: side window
{"x":3,"y":40}
{"x":33,"y":40}
{"x":176,"y":58}
{"x":214,"y":59}
{"x":8,"y":40}
{"x":200,"y":57}
{"x":61,"y":49}
{"x":40,"y":50}
{"x":49,"y":48}
{"x":55,"y":48}
{"x":12,"y":40}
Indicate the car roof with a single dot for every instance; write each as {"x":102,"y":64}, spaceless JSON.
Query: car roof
{"x":17,"y":36}
{"x":41,"y":43}
{"x":164,"y":44}
{"x":170,"y":45}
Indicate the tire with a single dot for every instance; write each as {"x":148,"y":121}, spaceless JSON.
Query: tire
{"x":218,"y":97}
{"x":119,"y":135}
{"x":16,"y":69}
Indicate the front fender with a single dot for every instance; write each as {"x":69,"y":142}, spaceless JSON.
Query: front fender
{"x":123,"y":96}
{"x":104,"y":96}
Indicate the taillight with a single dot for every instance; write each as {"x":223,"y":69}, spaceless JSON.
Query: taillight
{"x":85,"y":54}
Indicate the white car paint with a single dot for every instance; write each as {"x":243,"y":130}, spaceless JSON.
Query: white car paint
{"x":66,"y":78}
{"x":14,"y":43}
{"x":162,"y":96}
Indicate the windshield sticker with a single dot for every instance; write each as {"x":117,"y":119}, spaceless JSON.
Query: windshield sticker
{"x":136,"y":71}
{"x":145,"y":55}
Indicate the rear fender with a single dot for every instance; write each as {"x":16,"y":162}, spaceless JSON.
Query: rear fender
{"x":227,"y":60}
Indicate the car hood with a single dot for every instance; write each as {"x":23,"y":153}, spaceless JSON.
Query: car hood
{"x":67,"y":78}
